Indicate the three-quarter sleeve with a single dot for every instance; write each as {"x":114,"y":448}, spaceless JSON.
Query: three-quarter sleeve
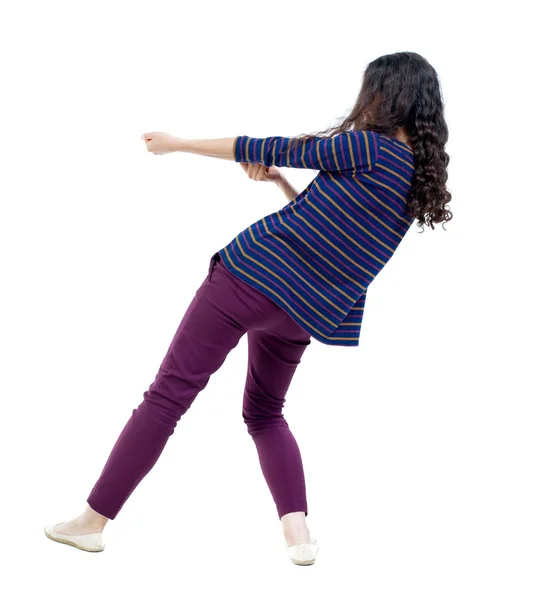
{"x":347,"y":152}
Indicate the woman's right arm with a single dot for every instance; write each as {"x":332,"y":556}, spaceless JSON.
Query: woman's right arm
{"x":289,"y":191}
{"x":258,"y":172}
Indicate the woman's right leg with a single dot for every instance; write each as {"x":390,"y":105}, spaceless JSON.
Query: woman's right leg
{"x":274,"y":353}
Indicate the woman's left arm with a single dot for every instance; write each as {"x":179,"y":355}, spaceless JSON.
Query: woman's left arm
{"x":159,"y":142}
{"x":349,"y":152}
{"x":217,"y":148}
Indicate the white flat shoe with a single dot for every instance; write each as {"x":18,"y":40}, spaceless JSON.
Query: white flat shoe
{"x":91,"y":542}
{"x":305,"y":553}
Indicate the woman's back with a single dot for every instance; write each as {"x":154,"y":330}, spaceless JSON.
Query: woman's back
{"x":317,"y":255}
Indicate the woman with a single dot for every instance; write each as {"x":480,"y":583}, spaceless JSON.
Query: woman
{"x":298,"y":273}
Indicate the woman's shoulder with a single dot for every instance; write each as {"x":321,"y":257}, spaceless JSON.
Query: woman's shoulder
{"x":394,"y":142}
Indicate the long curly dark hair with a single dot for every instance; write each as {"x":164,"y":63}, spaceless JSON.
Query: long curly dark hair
{"x":402,"y":90}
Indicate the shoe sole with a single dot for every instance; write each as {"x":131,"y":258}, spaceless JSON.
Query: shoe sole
{"x":73,"y":543}
{"x":303,"y":562}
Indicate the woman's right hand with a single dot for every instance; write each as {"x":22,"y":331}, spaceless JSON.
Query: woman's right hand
{"x":259,"y":172}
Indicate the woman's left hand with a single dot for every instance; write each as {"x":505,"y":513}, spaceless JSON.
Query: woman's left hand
{"x":159,"y":142}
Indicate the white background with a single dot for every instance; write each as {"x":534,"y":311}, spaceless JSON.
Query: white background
{"x":419,"y":445}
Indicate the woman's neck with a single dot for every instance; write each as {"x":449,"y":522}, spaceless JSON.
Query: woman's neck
{"x":401,"y":135}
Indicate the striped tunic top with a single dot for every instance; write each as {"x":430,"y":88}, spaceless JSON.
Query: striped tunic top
{"x":316,"y":256}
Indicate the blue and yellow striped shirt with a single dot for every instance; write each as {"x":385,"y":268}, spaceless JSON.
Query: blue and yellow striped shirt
{"x":316,"y":256}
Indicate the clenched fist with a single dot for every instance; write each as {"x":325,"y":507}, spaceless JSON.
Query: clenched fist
{"x":259,"y":172}
{"x":159,"y":142}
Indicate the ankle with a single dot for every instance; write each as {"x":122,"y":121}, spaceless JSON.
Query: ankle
{"x":294,"y":523}
{"x":90,"y":518}
{"x":295,"y":531}
{"x":88,"y":525}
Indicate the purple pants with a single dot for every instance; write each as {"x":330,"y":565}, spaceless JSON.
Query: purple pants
{"x":223,"y":309}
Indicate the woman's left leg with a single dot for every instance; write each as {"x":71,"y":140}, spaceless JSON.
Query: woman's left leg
{"x":223,"y":309}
